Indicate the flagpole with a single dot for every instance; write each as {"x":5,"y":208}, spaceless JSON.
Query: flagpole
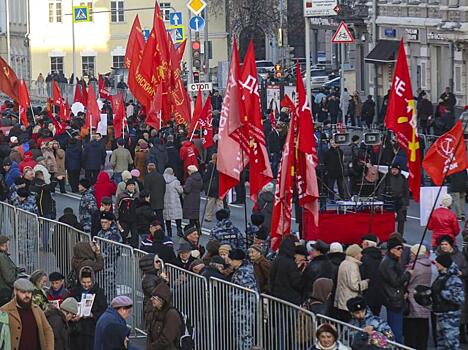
{"x":123,"y":129}
{"x":207,"y":194}
{"x":438,"y":194}
{"x":193,"y":133}
{"x":245,"y":192}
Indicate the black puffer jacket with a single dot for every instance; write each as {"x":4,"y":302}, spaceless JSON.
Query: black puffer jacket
{"x":371,"y":258}
{"x":394,"y":278}
{"x":319,"y":267}
{"x":145,"y":215}
{"x":285,"y":276}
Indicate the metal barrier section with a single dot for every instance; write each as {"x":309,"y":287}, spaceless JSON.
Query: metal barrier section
{"x":235,"y":316}
{"x":56,"y":245}
{"x":138,"y":301}
{"x":27,"y":236}
{"x":8,"y":227}
{"x":346,"y":332}
{"x":286,"y":326}
{"x":117,"y":277}
{"x":190,"y":296}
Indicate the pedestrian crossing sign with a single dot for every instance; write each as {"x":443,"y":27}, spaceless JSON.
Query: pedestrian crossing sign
{"x":81,"y":14}
{"x":178,"y":33}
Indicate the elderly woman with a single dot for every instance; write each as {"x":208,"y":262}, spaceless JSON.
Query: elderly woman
{"x":443,"y":221}
{"x":327,"y":338}
{"x":141,"y":157}
{"x":172,"y":205}
{"x":39,"y":295}
{"x":192,"y":192}
{"x":126,"y":175}
{"x":60,"y":164}
{"x":265,"y":202}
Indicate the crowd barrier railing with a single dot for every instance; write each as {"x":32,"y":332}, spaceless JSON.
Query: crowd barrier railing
{"x":224,"y":315}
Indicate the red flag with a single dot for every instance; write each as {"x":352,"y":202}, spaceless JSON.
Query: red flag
{"x":447,"y":155}
{"x":78,"y":97}
{"x":307,"y":158}
{"x":56,"y":94}
{"x":153,"y":117}
{"x":24,"y":103}
{"x":93,"y":115}
{"x":103,"y":90}
{"x":118,"y":108}
{"x":9,"y":83}
{"x":181,"y":49}
{"x":401,"y":118}
{"x":206,"y":120}
{"x":84,"y":93}
{"x":194,"y":123}
{"x":232,"y":158}
{"x":67,"y":111}
{"x":133,"y":56}
{"x":59,"y":126}
{"x":272,"y":119}
{"x":281,"y":216}
{"x":260,"y":169}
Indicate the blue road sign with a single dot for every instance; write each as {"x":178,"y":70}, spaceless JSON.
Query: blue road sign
{"x":175,"y":18}
{"x":146,"y":34}
{"x":197,"y":23}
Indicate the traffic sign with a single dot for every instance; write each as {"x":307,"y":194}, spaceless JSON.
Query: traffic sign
{"x":175,"y":18}
{"x":200,"y":86}
{"x":81,"y":14}
{"x":196,"y":6}
{"x":342,"y":35}
{"x":146,"y":34}
{"x":319,"y":8}
{"x":178,"y":33}
{"x":197,"y":23}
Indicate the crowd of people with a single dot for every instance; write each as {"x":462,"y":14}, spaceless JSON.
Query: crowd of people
{"x":154,"y":183}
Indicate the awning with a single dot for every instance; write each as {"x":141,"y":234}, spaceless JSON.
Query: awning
{"x":384,"y":52}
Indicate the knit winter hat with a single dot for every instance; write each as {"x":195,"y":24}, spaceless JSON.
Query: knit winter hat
{"x":445,"y":260}
{"x":70,"y":305}
{"x":256,"y":247}
{"x":224,"y":248}
{"x":446,"y":200}
{"x":353,"y":250}
{"x":327,"y":328}
{"x":336,"y":247}
{"x":237,"y":254}
{"x":394,"y":242}
{"x":135,"y":172}
{"x":422,"y":250}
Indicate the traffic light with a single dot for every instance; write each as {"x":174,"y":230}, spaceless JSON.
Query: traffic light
{"x":278,"y":71}
{"x":196,"y":77}
{"x":196,"y":54}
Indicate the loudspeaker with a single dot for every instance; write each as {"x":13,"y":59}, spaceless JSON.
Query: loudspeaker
{"x":342,"y":138}
{"x":372,"y":138}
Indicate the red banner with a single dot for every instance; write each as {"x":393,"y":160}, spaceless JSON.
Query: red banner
{"x":206,"y":120}
{"x":24,"y":103}
{"x":9,"y":83}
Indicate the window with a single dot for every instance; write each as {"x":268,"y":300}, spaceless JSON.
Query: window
{"x":90,"y":6}
{"x":458,"y":79}
{"x":55,"y":11}
{"x":423,"y":84}
{"x":117,"y":12}
{"x":88,"y":64}
{"x":56,"y":64}
{"x":165,"y":11}
{"x":118,"y":61}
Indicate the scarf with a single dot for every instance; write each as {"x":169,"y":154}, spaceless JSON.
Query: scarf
{"x":321,"y":347}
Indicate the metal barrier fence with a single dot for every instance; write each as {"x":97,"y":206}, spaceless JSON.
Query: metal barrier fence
{"x":236,"y":322}
{"x":346,"y":332}
{"x":224,"y":315}
{"x":190,"y":296}
{"x":286,"y":326}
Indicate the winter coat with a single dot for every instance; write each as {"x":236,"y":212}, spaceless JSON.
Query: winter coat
{"x":121,"y":159}
{"x":39,"y":298}
{"x":244,"y":276}
{"x":59,"y":324}
{"x":45,"y":203}
{"x":156,"y":185}
{"x":189,"y":155}
{"x":262,"y":268}
{"x":285,"y":276}
{"x":334,"y":162}
{"x":449,"y":292}
{"x":60,"y":161}
{"x":158,"y":155}
{"x":443,"y":222}
{"x":104,"y":329}
{"x":226,"y":233}
{"x":422,"y":275}
{"x":368,"y":109}
{"x":211,"y":181}
{"x":145,"y":216}
{"x":379,"y":325}
{"x":457,"y":182}
{"x":319,"y":267}
{"x":265,"y":203}
{"x":50,"y":161}
{"x":73,"y":155}
{"x":336,"y":259}
{"x":93,"y":156}
{"x":8,"y":275}
{"x":104,"y":187}
{"x":44,"y":331}
{"x":86,"y":209}
{"x":141,"y":156}
{"x":165,"y":327}
{"x":192,"y":192}
{"x":164,"y":248}
{"x":393,"y":280}
{"x":83,"y":255}
{"x":12,"y":174}
{"x":349,"y":283}
{"x":71,"y":220}
{"x":338,"y":346}
{"x":172,"y":205}
{"x":370,"y":261}
{"x":174,"y":160}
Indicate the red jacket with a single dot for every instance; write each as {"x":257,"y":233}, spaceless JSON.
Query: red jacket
{"x":189,"y":154}
{"x":104,"y":187}
{"x":443,"y":222}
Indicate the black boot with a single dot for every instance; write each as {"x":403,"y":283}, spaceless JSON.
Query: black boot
{"x":168,"y":228}
{"x":462,"y":334}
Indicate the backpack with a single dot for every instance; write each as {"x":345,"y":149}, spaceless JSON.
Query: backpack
{"x":127,"y":209}
{"x":186,"y":341}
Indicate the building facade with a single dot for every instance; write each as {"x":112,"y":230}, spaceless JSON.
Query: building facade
{"x":100,"y":44}
{"x":436,"y":37}
{"x":14,"y":36}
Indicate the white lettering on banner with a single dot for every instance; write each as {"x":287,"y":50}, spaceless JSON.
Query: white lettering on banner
{"x":399,"y":87}
{"x":250,"y":84}
{"x":200,"y":86}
